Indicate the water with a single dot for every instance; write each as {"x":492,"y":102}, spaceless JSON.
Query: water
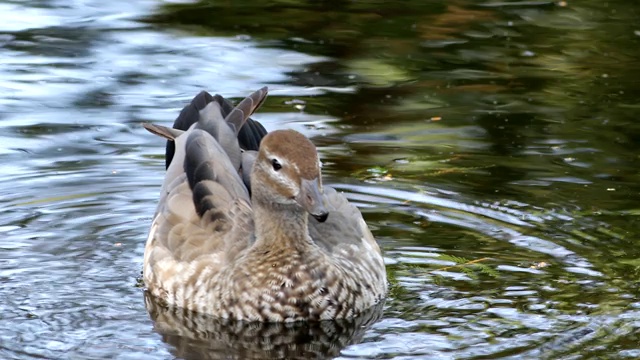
{"x":492,"y":147}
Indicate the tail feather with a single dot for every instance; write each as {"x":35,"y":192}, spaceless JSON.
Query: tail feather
{"x":250,"y":132}
{"x":163,"y":131}
{"x":239,"y":115}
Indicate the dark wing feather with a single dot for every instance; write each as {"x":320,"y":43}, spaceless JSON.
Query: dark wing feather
{"x":250,"y":134}
{"x":245,"y":108}
{"x":205,"y":165}
{"x":250,"y":131}
{"x":212,"y":121}
{"x":189,"y":115}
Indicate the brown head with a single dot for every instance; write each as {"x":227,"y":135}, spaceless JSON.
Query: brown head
{"x":287,"y":172}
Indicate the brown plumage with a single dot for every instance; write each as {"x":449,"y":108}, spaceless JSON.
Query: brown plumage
{"x":256,"y":237}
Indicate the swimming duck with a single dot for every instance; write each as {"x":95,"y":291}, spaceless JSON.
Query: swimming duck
{"x":245,"y":229}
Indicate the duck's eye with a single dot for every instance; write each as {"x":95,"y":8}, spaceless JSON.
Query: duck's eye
{"x":276,"y":165}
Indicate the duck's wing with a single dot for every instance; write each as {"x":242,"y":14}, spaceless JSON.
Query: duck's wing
{"x":347,"y":239}
{"x":203,"y":198}
{"x":248,"y":134}
{"x":204,"y":218}
{"x":248,"y":158}
{"x":344,"y":226}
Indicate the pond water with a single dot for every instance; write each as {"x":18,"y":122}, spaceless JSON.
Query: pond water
{"x":493,"y":147}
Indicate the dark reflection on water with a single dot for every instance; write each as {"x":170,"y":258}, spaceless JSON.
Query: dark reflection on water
{"x":196,"y":336}
{"x":491,"y":145}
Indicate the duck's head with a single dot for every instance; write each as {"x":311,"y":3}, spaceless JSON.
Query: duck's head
{"x":287,"y":173}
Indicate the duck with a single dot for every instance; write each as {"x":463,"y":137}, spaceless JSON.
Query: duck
{"x":245,"y":229}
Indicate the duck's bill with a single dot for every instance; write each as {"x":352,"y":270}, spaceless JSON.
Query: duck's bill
{"x":311,"y":199}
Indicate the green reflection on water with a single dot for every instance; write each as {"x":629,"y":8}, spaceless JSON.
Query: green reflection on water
{"x":526,"y":108}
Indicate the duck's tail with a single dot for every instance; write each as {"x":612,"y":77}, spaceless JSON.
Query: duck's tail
{"x":163,"y":131}
{"x":248,"y":131}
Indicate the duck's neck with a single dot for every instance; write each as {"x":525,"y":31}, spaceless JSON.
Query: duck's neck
{"x":281,"y":227}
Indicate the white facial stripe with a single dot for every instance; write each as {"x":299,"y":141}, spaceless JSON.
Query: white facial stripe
{"x":273,"y":157}
{"x":286,"y":182}
{"x":291,"y":186}
{"x":280,"y":176}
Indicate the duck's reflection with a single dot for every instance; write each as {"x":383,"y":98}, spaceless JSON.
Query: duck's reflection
{"x":197,"y":336}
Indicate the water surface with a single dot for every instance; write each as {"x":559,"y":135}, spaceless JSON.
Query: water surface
{"x":491,"y":145}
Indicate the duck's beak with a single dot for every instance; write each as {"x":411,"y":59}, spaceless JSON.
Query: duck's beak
{"x":310,"y":198}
